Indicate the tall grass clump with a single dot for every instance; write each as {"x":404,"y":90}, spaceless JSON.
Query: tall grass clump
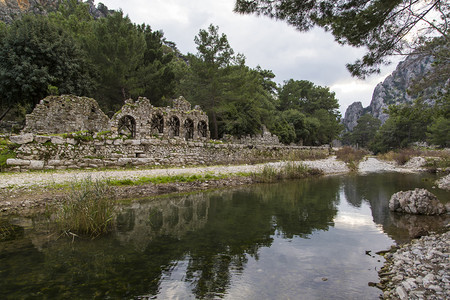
{"x":290,"y":170}
{"x":351,"y":156}
{"x":88,"y":208}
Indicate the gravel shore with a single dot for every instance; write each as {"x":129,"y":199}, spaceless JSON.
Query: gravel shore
{"x":418,"y":270}
{"x":329,"y":166}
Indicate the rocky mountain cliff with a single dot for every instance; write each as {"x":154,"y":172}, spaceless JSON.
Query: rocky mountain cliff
{"x":11,"y":9}
{"x":393,"y":90}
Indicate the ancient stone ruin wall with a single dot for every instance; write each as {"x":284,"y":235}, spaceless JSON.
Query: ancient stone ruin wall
{"x":67,"y":113}
{"x":141,"y":120}
{"x":137,"y":135}
{"x":37,"y":152}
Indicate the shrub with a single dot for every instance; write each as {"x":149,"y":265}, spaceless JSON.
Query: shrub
{"x":401,"y":156}
{"x":351,"y":156}
{"x":88,"y":209}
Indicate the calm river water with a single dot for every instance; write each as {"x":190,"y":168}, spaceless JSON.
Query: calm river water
{"x":308,"y":239}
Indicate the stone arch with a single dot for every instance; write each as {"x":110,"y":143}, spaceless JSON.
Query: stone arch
{"x":189,"y":129}
{"x":174,"y":126}
{"x":157,"y":125}
{"x":202,"y":128}
{"x":127,"y":126}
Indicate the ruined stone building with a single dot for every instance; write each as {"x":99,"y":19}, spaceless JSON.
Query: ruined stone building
{"x":136,"y":120}
{"x":66,"y":113}
{"x":141,"y":120}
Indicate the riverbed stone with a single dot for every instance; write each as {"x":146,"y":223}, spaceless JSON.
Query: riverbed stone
{"x":418,"y":201}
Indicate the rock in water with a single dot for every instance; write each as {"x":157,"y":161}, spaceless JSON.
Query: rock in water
{"x":418,"y":201}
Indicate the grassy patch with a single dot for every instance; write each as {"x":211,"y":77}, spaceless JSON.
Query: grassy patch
{"x":351,"y":156}
{"x":7,"y":150}
{"x":166,"y":179}
{"x":290,"y":170}
{"x":87,"y":209}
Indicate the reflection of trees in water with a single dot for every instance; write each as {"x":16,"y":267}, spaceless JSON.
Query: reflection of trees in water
{"x":376,"y":189}
{"x":215,"y":232}
{"x":302,"y":207}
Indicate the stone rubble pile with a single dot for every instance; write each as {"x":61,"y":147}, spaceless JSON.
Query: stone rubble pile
{"x":418,"y":270}
{"x":444,"y":183}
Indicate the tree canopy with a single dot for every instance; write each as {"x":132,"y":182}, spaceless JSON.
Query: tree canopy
{"x":112,"y":59}
{"x":35,"y":54}
{"x":384,"y":27}
{"x":237,"y":98}
{"x":311,"y":111}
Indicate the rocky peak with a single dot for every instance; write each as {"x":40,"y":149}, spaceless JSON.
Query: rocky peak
{"x":393,"y":90}
{"x":352,"y":114}
{"x":11,"y":9}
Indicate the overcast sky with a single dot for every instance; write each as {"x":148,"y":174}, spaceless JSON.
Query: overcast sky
{"x":273,"y":45}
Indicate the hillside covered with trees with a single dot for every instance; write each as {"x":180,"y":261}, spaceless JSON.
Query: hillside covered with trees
{"x":111,"y":59}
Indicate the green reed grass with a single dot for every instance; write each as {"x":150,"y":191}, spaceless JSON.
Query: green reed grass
{"x":87,"y":209}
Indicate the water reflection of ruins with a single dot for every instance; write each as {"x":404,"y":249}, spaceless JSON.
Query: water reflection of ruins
{"x":143,"y":221}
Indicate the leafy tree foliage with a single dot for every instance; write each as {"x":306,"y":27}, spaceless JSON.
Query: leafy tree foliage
{"x":36,"y":54}
{"x":236,"y":97}
{"x":311,"y":110}
{"x":364,"y":131}
{"x":418,"y":122}
{"x":380,"y":25}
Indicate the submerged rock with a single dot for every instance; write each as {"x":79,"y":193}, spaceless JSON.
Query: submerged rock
{"x":418,"y":201}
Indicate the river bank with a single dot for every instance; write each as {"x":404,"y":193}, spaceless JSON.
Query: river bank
{"x":26,"y":191}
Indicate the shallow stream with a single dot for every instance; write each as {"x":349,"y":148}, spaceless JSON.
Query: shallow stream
{"x":307,"y":239}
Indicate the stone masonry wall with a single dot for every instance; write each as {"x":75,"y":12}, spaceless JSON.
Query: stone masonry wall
{"x":38,"y":152}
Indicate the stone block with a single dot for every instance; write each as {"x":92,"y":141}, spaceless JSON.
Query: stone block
{"x":58,"y":140}
{"x":17,"y":162}
{"x":124,"y":161}
{"x":36,"y":164}
{"x":22,"y":139}
{"x":41,"y":139}
{"x":71,"y":141}
{"x":118,"y":142}
{"x":55,"y":162}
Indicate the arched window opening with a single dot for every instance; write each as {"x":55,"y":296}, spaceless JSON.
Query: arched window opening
{"x":174,"y":126}
{"x":127,"y":126}
{"x":202,"y":129}
{"x":189,"y":129}
{"x":157,"y":124}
